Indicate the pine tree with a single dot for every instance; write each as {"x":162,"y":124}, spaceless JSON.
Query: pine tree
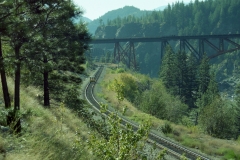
{"x":17,"y":31}
{"x":203,"y":76}
{"x":168,"y":71}
{"x":206,"y":98}
{"x":182,"y":70}
{"x":191,"y":81}
{"x":58,"y":50}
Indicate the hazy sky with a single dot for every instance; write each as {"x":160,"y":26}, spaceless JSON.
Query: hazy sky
{"x":93,"y":9}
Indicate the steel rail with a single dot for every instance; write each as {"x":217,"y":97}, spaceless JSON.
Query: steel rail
{"x":172,"y":148}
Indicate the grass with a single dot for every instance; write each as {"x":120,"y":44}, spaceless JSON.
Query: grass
{"x":188,"y":136}
{"x":53,"y":133}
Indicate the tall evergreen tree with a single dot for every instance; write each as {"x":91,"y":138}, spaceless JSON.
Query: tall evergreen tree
{"x":168,"y":71}
{"x":182,"y":70}
{"x":191,"y":81}
{"x":17,"y":31}
{"x":211,"y":93}
{"x":59,"y":48}
{"x":203,"y":76}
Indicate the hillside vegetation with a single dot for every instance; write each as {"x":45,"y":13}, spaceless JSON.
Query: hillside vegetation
{"x":207,"y":17}
{"x":41,"y":57}
{"x":166,"y":113}
{"x":53,"y":133}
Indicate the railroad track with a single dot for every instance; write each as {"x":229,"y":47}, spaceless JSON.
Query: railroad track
{"x":161,"y":142}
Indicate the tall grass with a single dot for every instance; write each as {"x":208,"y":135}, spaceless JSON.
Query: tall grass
{"x":54,"y":133}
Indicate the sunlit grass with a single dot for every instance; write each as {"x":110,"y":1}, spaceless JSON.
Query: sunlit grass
{"x":47,"y":133}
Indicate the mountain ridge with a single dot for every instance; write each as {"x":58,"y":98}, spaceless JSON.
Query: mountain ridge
{"x":113,"y":14}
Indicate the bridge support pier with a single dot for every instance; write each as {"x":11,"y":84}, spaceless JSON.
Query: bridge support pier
{"x":163,"y":47}
{"x":125,"y":54}
{"x":200,"y":48}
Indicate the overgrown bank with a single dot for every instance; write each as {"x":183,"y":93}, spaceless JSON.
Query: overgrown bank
{"x":182,"y":132}
{"x":52,"y":133}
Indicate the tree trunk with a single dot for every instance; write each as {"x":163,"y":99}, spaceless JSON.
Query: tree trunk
{"x":6,"y":96}
{"x":17,"y":122}
{"x":46,"y":85}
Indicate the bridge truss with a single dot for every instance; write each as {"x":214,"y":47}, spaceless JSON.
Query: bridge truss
{"x":202,"y":43}
{"x":125,"y":54}
{"x":124,"y":50}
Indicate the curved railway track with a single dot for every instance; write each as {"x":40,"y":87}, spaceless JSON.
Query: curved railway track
{"x":172,"y":148}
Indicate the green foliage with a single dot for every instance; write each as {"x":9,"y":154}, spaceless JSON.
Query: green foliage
{"x":120,"y":70}
{"x":186,"y":121}
{"x":159,"y":103}
{"x":218,"y":119}
{"x":183,"y":157}
{"x":123,"y":143}
{"x":203,"y":75}
{"x":228,"y":153}
{"x":167,"y":128}
{"x":129,"y":87}
{"x":168,"y":71}
{"x":190,"y":142}
{"x":72,"y":99}
{"x":208,"y":96}
{"x":3,"y":114}
{"x":118,"y":88}
{"x":178,"y":73}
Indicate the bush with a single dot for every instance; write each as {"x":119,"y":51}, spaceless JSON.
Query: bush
{"x":129,"y":87}
{"x":72,"y":100}
{"x":167,"y":128}
{"x":186,"y":121}
{"x":217,"y":119}
{"x":157,"y":102}
{"x":120,"y":70}
{"x":228,"y":153}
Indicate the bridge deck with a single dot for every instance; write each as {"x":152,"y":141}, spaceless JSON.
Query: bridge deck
{"x":160,"y":39}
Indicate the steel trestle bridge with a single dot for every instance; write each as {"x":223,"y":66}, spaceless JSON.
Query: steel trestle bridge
{"x":124,"y":49}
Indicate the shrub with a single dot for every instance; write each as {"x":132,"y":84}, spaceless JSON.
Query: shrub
{"x":120,"y":70}
{"x":167,"y":128}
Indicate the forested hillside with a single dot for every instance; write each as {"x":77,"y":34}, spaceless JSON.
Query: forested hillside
{"x":196,"y":18}
{"x":111,"y":15}
{"x":208,"y":88}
